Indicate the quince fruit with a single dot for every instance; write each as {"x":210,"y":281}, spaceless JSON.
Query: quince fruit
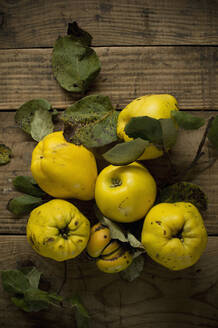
{"x":58,"y":230}
{"x":174,"y":235}
{"x":110,"y":254}
{"x":125,"y":193}
{"x":63,"y":169}
{"x":155,"y":106}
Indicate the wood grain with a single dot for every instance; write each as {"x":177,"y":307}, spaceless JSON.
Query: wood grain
{"x":38,"y":23}
{"x":189,"y":73}
{"x":143,"y":47}
{"x":22,"y":146}
{"x":159,"y":298}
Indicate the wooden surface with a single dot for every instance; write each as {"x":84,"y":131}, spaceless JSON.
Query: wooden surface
{"x":189,"y":73}
{"x":134,"y":22}
{"x":150,"y":46}
{"x":159,"y":298}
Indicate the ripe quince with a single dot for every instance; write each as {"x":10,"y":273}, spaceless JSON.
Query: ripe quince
{"x":174,"y":235}
{"x":111,"y":256}
{"x":63,"y":169}
{"x":155,"y":106}
{"x":58,"y":230}
{"x":125,"y":193}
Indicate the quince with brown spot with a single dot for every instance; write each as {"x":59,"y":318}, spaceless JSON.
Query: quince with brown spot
{"x":174,"y":235}
{"x":58,"y":230}
{"x":111,"y":256}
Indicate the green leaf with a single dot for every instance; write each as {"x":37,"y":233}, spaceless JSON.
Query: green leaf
{"x":81,"y":321}
{"x":33,"y":275}
{"x":20,"y":303}
{"x":36,"y":299}
{"x":169,"y":133}
{"x":162,"y":132}
{"x":81,"y":315}
{"x":76,"y":301}
{"x":91,"y":121}
{"x":78,"y":34}
{"x":5,"y":154}
{"x":24,"y":285}
{"x":54,"y":112}
{"x":145,"y":127}
{"x":126,"y":152}
{"x":75,"y":65}
{"x":187,"y":121}
{"x":24,"y":115}
{"x":134,"y":270}
{"x":14,"y":281}
{"x":184,"y":192}
{"x":28,"y":186}
{"x":89,"y":104}
{"x":55,"y":298}
{"x":213,"y":133}
{"x":23,"y":204}
{"x":41,"y":124}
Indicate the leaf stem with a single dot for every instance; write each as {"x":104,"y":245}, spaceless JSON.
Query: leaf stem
{"x":64,"y":279}
{"x":173,"y":178}
{"x":199,"y":153}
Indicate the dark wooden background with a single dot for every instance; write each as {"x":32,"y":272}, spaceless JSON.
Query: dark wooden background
{"x":149,"y":46}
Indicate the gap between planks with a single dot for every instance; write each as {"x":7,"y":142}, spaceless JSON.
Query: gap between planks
{"x":38,"y":23}
{"x":94,"y":46}
{"x":188,"y":73}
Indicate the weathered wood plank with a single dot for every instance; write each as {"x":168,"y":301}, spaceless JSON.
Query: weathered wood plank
{"x":159,"y":298}
{"x":22,"y":146}
{"x":189,"y":73}
{"x":38,"y":23}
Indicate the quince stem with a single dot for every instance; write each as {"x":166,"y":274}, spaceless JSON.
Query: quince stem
{"x":64,"y":279}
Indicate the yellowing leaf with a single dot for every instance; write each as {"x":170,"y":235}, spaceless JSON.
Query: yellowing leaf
{"x":41,"y":124}
{"x":24,"y":115}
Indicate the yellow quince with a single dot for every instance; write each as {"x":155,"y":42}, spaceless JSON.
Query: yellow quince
{"x":125,"y":193}
{"x":63,"y":169}
{"x":58,"y":230}
{"x":110,"y":254}
{"x":155,"y":106}
{"x":174,"y":235}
